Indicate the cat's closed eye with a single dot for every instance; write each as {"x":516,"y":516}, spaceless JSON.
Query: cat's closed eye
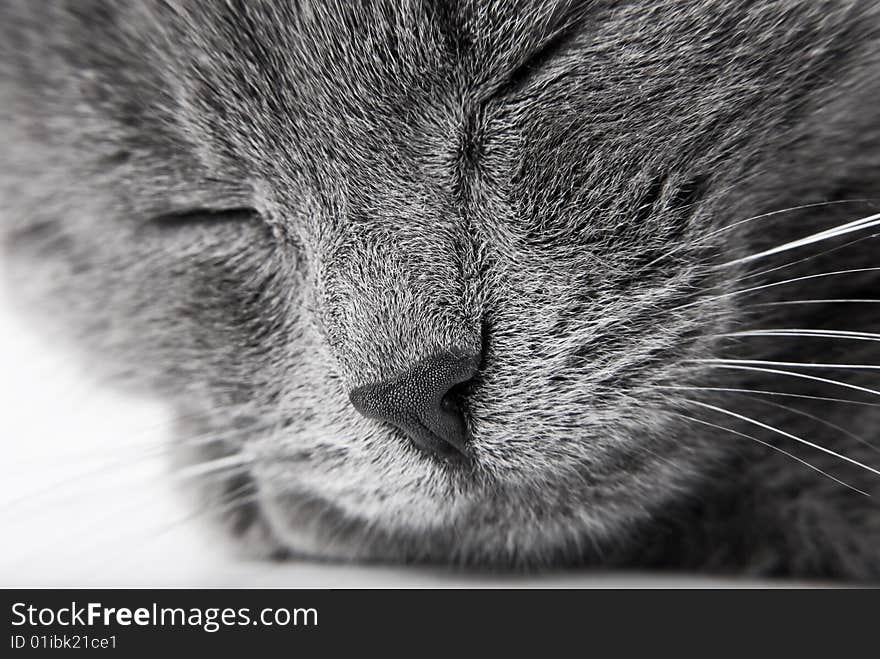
{"x":204,"y":217}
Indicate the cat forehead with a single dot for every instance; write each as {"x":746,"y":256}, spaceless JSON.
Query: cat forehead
{"x":343,"y":65}
{"x":355,"y":82}
{"x":376,"y":46}
{"x":364,"y":61}
{"x":367,"y":36}
{"x":352,"y":85}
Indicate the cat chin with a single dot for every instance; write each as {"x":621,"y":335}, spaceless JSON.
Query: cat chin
{"x":313,"y":524}
{"x":308,"y":539}
{"x":305,"y":526}
{"x":409,"y":509}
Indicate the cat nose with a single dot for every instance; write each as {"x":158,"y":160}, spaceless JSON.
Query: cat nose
{"x":423,"y":404}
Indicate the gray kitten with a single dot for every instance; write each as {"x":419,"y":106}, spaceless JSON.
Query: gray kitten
{"x":487,"y":283}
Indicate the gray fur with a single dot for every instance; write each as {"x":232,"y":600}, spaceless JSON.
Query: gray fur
{"x":540,"y":182}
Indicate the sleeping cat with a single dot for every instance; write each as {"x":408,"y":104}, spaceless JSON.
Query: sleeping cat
{"x":485,"y":283}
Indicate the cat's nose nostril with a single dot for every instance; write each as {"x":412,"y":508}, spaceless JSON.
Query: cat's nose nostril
{"x":424,"y":404}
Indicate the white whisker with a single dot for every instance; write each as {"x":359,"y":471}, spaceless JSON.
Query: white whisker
{"x":109,"y":464}
{"x":820,"y":420}
{"x":792,"y":209}
{"x":785,"y":394}
{"x":738,"y":223}
{"x":802,"y":376}
{"x":774,"y":284}
{"x":849,"y":227}
{"x":827,"y":301}
{"x":761,"y":362}
{"x":30,"y":506}
{"x":825,"y":252}
{"x":811,"y":333}
{"x":235,"y":461}
{"x":775,"y":448}
{"x":806,"y":442}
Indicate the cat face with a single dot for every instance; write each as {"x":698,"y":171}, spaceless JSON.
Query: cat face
{"x":259,"y":210}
